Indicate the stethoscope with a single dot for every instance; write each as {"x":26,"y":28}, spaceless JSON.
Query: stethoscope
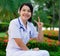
{"x":21,"y":26}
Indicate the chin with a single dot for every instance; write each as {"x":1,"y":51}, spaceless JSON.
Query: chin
{"x":25,"y":18}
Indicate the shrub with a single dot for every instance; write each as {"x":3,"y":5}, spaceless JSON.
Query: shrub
{"x":55,"y":53}
{"x":51,"y":34}
{"x":2,"y":46}
{"x":42,"y":46}
{"x":4,"y":26}
{"x":3,"y":42}
{"x":2,"y":53}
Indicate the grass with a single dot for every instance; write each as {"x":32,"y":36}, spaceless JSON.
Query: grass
{"x":55,"y":53}
{"x":2,"y":34}
{"x":2,"y":53}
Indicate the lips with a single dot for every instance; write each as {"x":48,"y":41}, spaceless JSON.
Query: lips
{"x":26,"y":16}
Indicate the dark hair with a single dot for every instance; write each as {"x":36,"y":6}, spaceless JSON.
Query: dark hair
{"x":31,"y":8}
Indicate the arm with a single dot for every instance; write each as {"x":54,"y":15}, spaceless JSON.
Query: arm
{"x":40,"y":35}
{"x":21,"y":44}
{"x":14,"y":33}
{"x":40,"y":32}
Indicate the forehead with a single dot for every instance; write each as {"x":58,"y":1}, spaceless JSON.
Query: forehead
{"x":25,"y":7}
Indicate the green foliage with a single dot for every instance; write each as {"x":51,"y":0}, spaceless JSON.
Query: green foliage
{"x":46,"y":10}
{"x":2,"y":34}
{"x":2,"y":53}
{"x":54,"y":53}
{"x":52,"y":37}
{"x":4,"y":26}
{"x":2,"y":44}
{"x":53,"y":50}
{"x":42,"y":46}
{"x":9,"y":9}
{"x":51,"y":34}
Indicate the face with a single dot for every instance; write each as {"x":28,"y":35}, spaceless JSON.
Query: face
{"x":25,"y":12}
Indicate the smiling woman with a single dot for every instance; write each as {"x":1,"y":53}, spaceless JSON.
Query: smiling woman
{"x":21,"y":30}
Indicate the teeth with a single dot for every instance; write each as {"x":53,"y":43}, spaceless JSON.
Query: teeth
{"x":25,"y":16}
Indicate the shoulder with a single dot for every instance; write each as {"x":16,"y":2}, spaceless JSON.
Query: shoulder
{"x":14,"y":21}
{"x":30,"y":24}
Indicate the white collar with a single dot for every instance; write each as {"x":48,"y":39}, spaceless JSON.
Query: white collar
{"x":22,"y":25}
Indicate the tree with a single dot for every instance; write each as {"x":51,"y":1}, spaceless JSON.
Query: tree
{"x":48,"y":11}
{"x":8,"y":9}
{"x":59,"y":22}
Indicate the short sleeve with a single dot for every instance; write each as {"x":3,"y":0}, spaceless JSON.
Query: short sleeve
{"x":34,"y":32}
{"x":13,"y":30}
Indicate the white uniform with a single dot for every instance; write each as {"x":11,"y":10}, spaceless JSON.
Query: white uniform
{"x":18,"y":30}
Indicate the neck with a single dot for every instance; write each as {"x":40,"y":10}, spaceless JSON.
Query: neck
{"x":24,"y":22}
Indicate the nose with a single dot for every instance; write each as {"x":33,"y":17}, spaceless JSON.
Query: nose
{"x":26,"y":12}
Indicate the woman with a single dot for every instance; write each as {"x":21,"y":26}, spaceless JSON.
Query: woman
{"x":21,"y":30}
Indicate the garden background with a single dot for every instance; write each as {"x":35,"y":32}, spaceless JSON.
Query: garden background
{"x":47,"y":10}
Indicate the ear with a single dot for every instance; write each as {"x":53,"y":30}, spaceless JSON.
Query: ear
{"x":19,"y":11}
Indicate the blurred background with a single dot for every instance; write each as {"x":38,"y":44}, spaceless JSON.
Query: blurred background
{"x":49,"y":13}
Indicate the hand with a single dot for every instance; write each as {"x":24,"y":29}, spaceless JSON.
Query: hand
{"x":36,"y":49}
{"x":39,"y":24}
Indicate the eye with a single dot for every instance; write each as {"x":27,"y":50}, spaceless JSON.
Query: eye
{"x":29,"y":10}
{"x":24,"y":10}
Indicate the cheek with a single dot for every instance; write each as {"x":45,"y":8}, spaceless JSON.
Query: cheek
{"x":30,"y":14}
{"x":20,"y":12}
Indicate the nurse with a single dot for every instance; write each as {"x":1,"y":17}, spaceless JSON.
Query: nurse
{"x":21,"y":30}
